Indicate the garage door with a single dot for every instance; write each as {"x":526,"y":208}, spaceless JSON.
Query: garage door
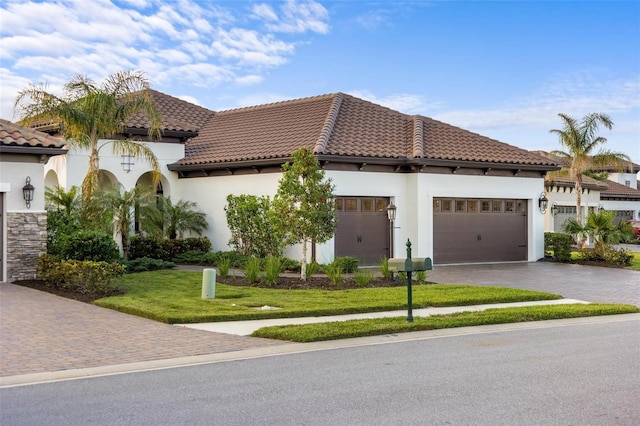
{"x":363,"y":229}
{"x":564,"y":213}
{"x":479,"y":230}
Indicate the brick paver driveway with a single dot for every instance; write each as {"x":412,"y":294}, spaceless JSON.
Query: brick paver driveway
{"x":40,"y":332}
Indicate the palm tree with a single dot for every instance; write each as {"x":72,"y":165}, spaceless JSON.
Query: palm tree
{"x":580,"y":140}
{"x":66,"y":201}
{"x":599,"y":228}
{"x":181,"y":217}
{"x":120,"y":207}
{"x":88,"y":113}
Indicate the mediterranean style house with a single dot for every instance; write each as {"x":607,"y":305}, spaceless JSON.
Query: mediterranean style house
{"x":23,"y":219}
{"x":619,"y":193}
{"x":460,"y":197}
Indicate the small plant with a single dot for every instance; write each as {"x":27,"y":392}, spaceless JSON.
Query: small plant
{"x":384,"y":268}
{"x":143,"y":264}
{"x":334,"y":272}
{"x":313,"y":268}
{"x":402,"y":276}
{"x":252,"y":269}
{"x":223,"y":266}
{"x":348,"y":264}
{"x":421,"y":277}
{"x":191,"y":257}
{"x":363,"y":277}
{"x":272,"y":268}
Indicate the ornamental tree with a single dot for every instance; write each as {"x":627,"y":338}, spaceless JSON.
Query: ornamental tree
{"x":303,"y":208}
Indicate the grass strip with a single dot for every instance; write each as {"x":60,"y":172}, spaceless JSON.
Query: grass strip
{"x":175,"y":297}
{"x":371,"y":327}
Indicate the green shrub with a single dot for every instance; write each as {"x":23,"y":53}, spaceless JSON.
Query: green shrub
{"x":559,"y":244}
{"x":272,"y":268}
{"x":89,"y":245}
{"x":421,"y":277}
{"x":223,"y":263}
{"x":347,"y":263}
{"x":252,"y":269}
{"x":200,"y":244}
{"x":191,"y":257}
{"x":60,"y":224}
{"x":313,"y":268}
{"x":143,"y":264}
{"x":86,"y":277}
{"x":611,"y":256}
{"x":363,"y":277}
{"x":384,"y":268}
{"x":334,"y":272}
{"x":154,"y":248}
{"x":291,"y":265}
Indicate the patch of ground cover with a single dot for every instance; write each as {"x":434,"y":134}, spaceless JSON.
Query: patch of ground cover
{"x":379,"y":326}
{"x":175,"y":297}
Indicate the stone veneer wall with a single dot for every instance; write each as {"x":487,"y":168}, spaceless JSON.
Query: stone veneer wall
{"x":26,"y":241}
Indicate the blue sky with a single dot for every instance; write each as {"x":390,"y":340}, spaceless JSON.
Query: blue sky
{"x":503,"y":69}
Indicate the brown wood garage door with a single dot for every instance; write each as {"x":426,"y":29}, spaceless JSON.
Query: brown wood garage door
{"x":479,"y":230}
{"x":363,"y":229}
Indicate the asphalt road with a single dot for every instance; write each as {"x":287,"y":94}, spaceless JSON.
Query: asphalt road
{"x":587,"y":374}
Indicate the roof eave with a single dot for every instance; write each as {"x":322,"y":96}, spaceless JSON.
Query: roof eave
{"x":36,"y":150}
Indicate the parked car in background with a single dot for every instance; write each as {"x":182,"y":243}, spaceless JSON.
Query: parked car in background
{"x":635,"y":224}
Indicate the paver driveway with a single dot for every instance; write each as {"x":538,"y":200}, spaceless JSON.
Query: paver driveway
{"x":41,"y":332}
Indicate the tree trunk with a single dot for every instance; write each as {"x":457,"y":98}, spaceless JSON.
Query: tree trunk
{"x":578,"y":187}
{"x":303,"y":262}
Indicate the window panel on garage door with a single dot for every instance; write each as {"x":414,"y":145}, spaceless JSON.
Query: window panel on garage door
{"x":479,"y":230}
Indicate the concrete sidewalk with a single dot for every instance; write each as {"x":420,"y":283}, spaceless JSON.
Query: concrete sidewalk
{"x":245,"y":328}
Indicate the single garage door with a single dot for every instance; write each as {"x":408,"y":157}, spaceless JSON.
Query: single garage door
{"x":479,"y":230}
{"x":363,"y":229}
{"x":564,"y":213}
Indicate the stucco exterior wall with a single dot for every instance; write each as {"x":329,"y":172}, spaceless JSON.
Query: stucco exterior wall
{"x":562,"y":197}
{"x":24,"y":235}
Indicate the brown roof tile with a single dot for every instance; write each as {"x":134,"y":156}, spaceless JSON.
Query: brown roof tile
{"x":562,"y":178}
{"x":343,"y":125}
{"x":177,"y":115}
{"x":617,"y":190}
{"x":12,"y":134}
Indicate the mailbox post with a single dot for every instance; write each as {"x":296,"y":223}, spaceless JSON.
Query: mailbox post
{"x":409,"y":269}
{"x":409,"y":265}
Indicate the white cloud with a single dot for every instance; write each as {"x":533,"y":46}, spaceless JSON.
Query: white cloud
{"x":295,"y":17}
{"x":402,"y":102}
{"x":249,"y":80}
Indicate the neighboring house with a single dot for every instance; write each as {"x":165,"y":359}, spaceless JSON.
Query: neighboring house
{"x":23,"y":226}
{"x":460,"y":197}
{"x":619,"y":193}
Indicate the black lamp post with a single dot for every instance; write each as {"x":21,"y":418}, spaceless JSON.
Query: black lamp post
{"x":391,"y":214}
{"x":27,"y":192}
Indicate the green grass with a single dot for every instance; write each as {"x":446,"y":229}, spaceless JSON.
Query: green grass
{"x":635,"y":263}
{"x":371,"y":327}
{"x":174,"y":297}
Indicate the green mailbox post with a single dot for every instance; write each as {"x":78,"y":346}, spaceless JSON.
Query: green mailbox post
{"x":409,"y":265}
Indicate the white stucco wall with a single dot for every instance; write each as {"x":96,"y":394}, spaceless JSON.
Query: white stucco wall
{"x":622,"y":178}
{"x":13,"y":177}
{"x":588,"y":199}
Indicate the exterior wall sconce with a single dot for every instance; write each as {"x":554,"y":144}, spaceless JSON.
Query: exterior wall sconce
{"x":127,"y":162}
{"x":601,"y":207}
{"x":391,"y":214}
{"x":554,"y":209}
{"x":27,"y":192}
{"x":543,"y":201}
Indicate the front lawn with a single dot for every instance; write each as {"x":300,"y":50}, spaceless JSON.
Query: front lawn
{"x":174,"y":297}
{"x":371,"y":327}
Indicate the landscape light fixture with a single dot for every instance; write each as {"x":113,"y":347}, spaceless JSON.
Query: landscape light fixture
{"x":543,"y":201}
{"x":126,"y":162}
{"x":27,"y":192}
{"x":391,"y":214}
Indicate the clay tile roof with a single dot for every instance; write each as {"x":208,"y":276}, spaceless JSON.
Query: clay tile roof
{"x":12,"y":134}
{"x":446,"y":142}
{"x":617,"y":190}
{"x":563,"y":179}
{"x":177,"y":115}
{"x":343,"y":125}
{"x":258,"y":132}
